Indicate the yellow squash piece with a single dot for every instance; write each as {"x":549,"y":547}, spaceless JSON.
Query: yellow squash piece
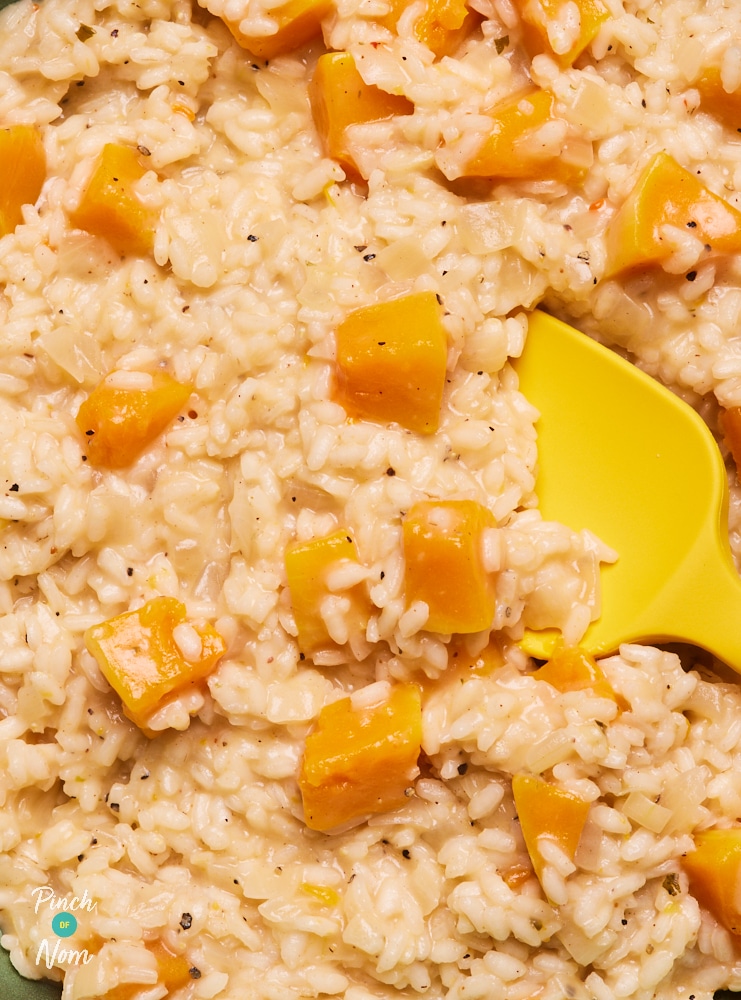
{"x":391,"y":362}
{"x":22,"y":173}
{"x":544,"y":810}
{"x":668,"y":195}
{"x":550,"y":26}
{"x":307,"y":567}
{"x":444,"y":566}
{"x":512,"y":151}
{"x":361,"y":761}
{"x":118,"y":423}
{"x":139,"y":657}
{"x":297,"y":22}
{"x":571,"y":669}
{"x":442,"y":25}
{"x":109,"y":206}
{"x":340,"y":98}
{"x":717,"y":101}
{"x":714,"y":870}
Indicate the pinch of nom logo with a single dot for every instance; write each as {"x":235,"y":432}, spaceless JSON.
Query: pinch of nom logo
{"x":64,"y":924}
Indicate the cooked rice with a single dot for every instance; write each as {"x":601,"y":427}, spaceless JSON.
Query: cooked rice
{"x":195,"y":835}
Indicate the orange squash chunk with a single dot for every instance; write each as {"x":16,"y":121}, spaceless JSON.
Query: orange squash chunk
{"x":510,"y":151}
{"x":545,"y":810}
{"x":120,"y":423}
{"x":139,"y":657}
{"x":667,"y":194}
{"x":340,"y":98}
{"x":572,"y":669}
{"x":298,"y":22}
{"x":361,"y":761}
{"x":444,"y":564}
{"x":442,"y":26}
{"x":717,"y":101}
{"x":307,"y":567}
{"x":543,"y":27}
{"x":391,"y":362}
{"x":714,"y":870}
{"x":23,"y":172}
{"x":109,"y":206}
{"x":173,"y":971}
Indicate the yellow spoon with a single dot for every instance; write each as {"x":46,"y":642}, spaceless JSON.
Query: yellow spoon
{"x":623,"y":456}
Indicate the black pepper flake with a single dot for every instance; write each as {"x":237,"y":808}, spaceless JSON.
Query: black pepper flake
{"x":194,"y":973}
{"x":90,"y":711}
{"x":361,"y":247}
{"x":390,"y":471}
{"x":114,"y":33}
{"x":692,"y":224}
{"x":643,"y":103}
{"x":691,"y":275}
{"x":185,"y":921}
{"x":439,"y":299}
{"x":462,"y":768}
{"x":114,"y":806}
{"x":143,"y":150}
{"x":89,"y":433}
{"x":624,"y":922}
{"x":252,"y":238}
{"x":369,"y":256}
{"x":381,"y":343}
{"x":144,"y":776}
{"x":501,"y":43}
{"x":406,"y":854}
{"x":129,"y":571}
{"x":14,"y":488}
{"x":671,"y":884}
{"x":302,"y":656}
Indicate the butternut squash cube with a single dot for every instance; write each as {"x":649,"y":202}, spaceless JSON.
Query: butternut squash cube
{"x":549,"y":26}
{"x":308,"y":565}
{"x":546,"y":811}
{"x":572,"y":669}
{"x":717,"y":101}
{"x":297,"y":22}
{"x":361,"y":761}
{"x":444,"y":565}
{"x":109,"y":206}
{"x":119,"y":423}
{"x":442,"y":26}
{"x":512,"y":150}
{"x":667,"y":194}
{"x":139,"y":656}
{"x":391,"y":362}
{"x":714,"y":870}
{"x":340,"y":98}
{"x":23,"y":172}
{"x":173,"y":972}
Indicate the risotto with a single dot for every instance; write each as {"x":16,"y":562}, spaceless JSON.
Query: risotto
{"x":269,"y":540}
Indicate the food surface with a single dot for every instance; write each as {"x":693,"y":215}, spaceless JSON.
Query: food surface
{"x":269,"y":540}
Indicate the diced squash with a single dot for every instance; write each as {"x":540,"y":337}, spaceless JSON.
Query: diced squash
{"x":551,"y":26}
{"x":444,"y":564}
{"x":109,"y":206}
{"x":297,"y":22}
{"x":391,"y":362}
{"x":547,"y":811}
{"x":571,"y":669}
{"x":361,"y":761}
{"x":325,"y":894}
{"x":173,"y":972}
{"x":23,"y":172}
{"x":308,"y":565}
{"x":141,"y":660}
{"x":442,"y":26}
{"x":730,"y":422}
{"x":513,"y":151}
{"x":340,"y":98}
{"x":717,"y":101}
{"x":714,"y":870}
{"x":119,"y":423}
{"x":666,"y":194}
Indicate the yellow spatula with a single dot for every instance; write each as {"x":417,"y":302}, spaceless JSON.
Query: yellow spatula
{"x":623,"y":456}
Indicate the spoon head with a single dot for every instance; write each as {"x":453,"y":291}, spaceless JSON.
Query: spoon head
{"x":624,"y":457}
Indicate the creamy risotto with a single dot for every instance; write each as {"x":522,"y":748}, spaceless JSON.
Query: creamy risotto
{"x":269,"y":541}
